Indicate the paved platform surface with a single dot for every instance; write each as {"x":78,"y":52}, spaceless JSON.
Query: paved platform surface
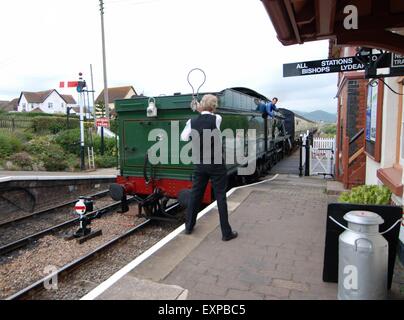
{"x":288,"y":165}
{"x":278,"y":254}
{"x":130,"y":288}
{"x":279,"y":251}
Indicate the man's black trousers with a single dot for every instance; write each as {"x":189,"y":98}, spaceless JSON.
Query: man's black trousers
{"x":217,"y":174}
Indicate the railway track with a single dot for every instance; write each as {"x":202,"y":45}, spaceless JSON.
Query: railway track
{"x":31,"y":291}
{"x":61,"y":206}
{"x":30,"y":237}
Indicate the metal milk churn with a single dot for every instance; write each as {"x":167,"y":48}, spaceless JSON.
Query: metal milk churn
{"x":363,"y":258}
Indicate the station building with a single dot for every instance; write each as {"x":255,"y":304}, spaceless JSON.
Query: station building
{"x":370,"y":127}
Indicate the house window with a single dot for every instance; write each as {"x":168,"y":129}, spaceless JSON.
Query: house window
{"x":24,"y":107}
{"x":62,"y":105}
{"x":374,"y":114}
{"x":50,"y":105}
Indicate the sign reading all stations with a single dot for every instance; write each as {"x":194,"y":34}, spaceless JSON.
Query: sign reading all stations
{"x":102,"y":122}
{"x":322,"y":67}
{"x":390,"y":60}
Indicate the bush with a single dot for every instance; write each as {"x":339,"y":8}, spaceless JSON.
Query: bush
{"x":24,"y":135}
{"x":379,"y":195}
{"x":106,"y":161}
{"x":69,"y":140}
{"x":38,"y":145}
{"x":53,"y":124}
{"x":329,"y":129}
{"x":54,"y":159}
{"x":114,"y":126}
{"x":9,"y":144}
{"x":23,"y":160}
{"x":30,"y":114}
{"x":109,"y":146}
{"x":73,"y":162}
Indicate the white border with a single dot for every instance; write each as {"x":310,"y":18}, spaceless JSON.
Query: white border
{"x":133,"y":264}
{"x":34,"y":178}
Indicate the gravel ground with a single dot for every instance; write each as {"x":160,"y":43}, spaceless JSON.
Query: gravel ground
{"x":86,"y":278}
{"x":23,"y":267}
{"x":32,"y":225}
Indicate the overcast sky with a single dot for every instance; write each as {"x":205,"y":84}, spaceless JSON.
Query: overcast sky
{"x":152,"y":45}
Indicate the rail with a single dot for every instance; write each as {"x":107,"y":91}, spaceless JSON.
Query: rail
{"x":42,"y":212}
{"x":27,"y":240}
{"x":68,"y":268}
{"x":73,"y":265}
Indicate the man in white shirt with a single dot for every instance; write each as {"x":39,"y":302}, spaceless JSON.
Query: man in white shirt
{"x":209,"y":164}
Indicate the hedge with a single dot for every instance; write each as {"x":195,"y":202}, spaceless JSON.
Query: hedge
{"x":53,"y":124}
{"x":9,"y":144}
{"x":69,"y":140}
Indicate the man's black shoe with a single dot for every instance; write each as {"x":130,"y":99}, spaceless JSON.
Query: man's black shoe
{"x":188,"y":231}
{"x":233,"y":235}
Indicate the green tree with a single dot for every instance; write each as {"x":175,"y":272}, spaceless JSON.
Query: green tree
{"x":100,"y":109}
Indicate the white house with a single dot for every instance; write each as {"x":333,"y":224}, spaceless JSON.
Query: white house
{"x":49,"y":101}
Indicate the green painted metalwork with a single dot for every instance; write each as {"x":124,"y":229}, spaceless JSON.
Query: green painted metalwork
{"x":237,"y":110}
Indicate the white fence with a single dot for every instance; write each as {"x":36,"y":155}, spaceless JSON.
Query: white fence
{"x":322,"y":156}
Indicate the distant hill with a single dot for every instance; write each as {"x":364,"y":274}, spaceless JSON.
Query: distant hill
{"x":318,"y":115}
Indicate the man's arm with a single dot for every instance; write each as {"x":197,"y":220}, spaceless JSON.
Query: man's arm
{"x":218,"y":121}
{"x":186,"y":133}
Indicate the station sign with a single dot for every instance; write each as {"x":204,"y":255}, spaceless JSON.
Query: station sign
{"x":397,"y":60}
{"x":394,"y":61}
{"x":307,"y":68}
{"x":102,"y":122}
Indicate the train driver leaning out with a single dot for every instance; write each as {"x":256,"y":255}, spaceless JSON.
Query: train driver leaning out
{"x":209,"y":166}
{"x":267,"y":108}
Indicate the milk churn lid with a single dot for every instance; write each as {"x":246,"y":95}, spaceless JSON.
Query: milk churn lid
{"x":363,"y":217}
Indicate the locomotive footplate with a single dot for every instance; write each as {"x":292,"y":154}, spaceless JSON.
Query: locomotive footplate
{"x":155,"y":207}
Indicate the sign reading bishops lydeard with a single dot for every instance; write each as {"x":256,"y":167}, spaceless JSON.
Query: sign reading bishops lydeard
{"x":393,"y":61}
{"x":322,"y":66}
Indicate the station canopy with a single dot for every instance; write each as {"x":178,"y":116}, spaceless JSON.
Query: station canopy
{"x":380,"y":22}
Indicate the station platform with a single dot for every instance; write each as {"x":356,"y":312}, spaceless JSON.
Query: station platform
{"x":278,"y":254}
{"x":6,"y":176}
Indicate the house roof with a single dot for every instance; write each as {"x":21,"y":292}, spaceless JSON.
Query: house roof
{"x":9,"y":105}
{"x":299,"y":21}
{"x":3,"y":104}
{"x":68,"y":98}
{"x":41,"y":96}
{"x":37,"y":97}
{"x":36,"y":110}
{"x":115,"y":94}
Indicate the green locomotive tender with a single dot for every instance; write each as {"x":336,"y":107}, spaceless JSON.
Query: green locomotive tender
{"x":154,"y":163}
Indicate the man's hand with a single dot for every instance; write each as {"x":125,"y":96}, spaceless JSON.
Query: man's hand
{"x":256,"y":101}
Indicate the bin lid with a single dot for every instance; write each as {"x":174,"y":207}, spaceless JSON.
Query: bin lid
{"x":364,"y":217}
